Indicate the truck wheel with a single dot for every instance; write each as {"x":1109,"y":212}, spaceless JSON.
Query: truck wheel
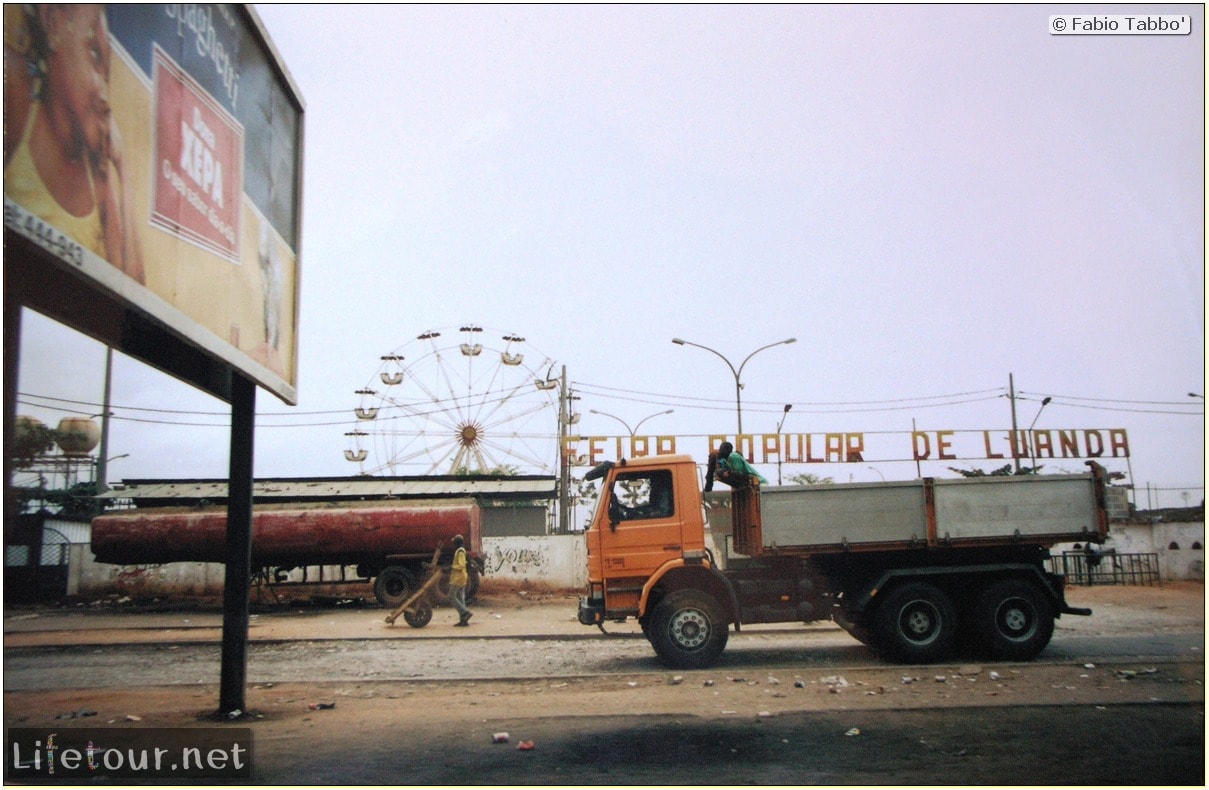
{"x":394,"y":585}
{"x":1014,"y":620}
{"x":916,"y":624}
{"x":422,"y":615}
{"x":688,"y":630}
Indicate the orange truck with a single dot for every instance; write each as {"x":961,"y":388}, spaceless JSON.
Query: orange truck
{"x":911,"y":568}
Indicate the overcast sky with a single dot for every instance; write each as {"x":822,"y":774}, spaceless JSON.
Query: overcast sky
{"x":929,"y":199}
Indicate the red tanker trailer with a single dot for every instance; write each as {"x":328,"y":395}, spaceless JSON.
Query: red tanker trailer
{"x":388,"y":541}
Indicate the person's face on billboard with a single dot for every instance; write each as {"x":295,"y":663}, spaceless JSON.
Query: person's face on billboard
{"x":78,"y":36}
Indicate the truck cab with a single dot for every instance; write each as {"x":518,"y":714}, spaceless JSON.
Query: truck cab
{"x":646,"y":542}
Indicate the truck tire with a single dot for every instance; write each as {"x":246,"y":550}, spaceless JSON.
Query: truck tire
{"x":688,"y":630}
{"x":394,"y":585}
{"x":915,"y":624}
{"x":1014,"y":620}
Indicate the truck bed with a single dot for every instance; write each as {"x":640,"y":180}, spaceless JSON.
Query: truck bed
{"x":1037,"y":510}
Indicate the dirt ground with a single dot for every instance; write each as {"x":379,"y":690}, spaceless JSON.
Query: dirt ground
{"x":1038,"y":723}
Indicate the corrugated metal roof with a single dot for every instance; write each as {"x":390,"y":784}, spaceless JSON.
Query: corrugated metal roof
{"x":301,"y":489}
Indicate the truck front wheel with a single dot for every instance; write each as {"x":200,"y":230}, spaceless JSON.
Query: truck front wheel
{"x":687,"y":630}
{"x":394,"y":585}
{"x":1014,"y":619}
{"x":916,"y":624}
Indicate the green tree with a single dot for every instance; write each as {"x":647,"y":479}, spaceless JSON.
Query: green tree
{"x":32,"y":441}
{"x":1004,"y":471}
{"x":810,"y":480}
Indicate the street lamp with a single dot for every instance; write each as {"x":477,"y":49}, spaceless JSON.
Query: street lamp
{"x":633,"y":430}
{"x":1032,"y":437}
{"x":1194,"y":395}
{"x":879,"y":474}
{"x":781,"y":451}
{"x":737,"y":373}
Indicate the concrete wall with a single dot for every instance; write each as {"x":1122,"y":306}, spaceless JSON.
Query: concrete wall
{"x":556,"y":561}
{"x":1184,"y":563}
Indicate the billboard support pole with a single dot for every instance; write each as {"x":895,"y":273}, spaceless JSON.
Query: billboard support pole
{"x":236,"y":580}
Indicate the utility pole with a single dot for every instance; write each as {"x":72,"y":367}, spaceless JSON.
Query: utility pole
{"x":1015,"y":435}
{"x":564,"y":463}
{"x":103,"y":452}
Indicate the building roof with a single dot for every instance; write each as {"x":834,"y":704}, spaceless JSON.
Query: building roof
{"x":158,"y":493}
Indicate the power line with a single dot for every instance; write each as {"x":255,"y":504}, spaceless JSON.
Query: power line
{"x":1188,"y":404}
{"x":1200,"y":413}
{"x":87,"y":408}
{"x":1000,"y":391}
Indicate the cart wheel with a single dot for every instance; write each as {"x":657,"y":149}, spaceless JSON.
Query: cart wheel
{"x":421,"y":617}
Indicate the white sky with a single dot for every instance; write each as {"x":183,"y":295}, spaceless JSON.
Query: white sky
{"x":928,"y":198}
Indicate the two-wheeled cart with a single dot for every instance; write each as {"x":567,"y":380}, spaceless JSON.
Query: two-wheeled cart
{"x":417,"y":609}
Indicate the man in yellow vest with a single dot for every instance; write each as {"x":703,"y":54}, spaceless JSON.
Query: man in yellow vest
{"x":458,"y":579}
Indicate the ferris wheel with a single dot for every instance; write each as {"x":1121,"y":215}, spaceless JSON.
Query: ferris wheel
{"x":461,"y":401}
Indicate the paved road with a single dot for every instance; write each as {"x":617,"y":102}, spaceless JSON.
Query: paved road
{"x":603,"y":711}
{"x":501,"y":657}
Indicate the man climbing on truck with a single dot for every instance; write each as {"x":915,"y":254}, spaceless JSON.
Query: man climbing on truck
{"x":731,"y":468}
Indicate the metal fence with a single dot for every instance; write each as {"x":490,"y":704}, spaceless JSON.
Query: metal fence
{"x":1108,"y":568}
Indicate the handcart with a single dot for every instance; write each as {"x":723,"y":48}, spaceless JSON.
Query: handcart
{"x":417,"y":610}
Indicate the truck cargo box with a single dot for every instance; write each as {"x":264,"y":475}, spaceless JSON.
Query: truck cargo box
{"x":1037,"y":510}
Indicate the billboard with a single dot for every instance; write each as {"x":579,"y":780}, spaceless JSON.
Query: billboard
{"x":152,"y":162}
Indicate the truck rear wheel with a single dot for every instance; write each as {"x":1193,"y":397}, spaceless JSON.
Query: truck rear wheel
{"x":1014,"y":619}
{"x":916,"y":624}
{"x":394,"y":585}
{"x":688,"y":630}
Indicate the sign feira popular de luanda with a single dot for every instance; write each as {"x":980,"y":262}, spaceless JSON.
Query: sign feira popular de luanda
{"x":1031,"y":447}
{"x":154,"y":150}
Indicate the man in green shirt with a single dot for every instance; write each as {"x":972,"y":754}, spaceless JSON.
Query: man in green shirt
{"x":731,"y":468}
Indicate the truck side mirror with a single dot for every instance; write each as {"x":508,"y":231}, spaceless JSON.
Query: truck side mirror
{"x":614,"y":514}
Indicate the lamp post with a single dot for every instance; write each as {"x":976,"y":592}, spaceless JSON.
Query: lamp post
{"x":633,"y":430}
{"x":737,"y":372}
{"x":1195,"y":395}
{"x":1032,"y":438}
{"x":781,"y":451}
{"x":879,"y":473}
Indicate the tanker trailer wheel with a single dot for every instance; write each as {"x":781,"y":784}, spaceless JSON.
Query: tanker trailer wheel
{"x":422,"y":615}
{"x":688,"y":630}
{"x":394,"y":585}
{"x":1014,"y":619}
{"x":915,"y":624}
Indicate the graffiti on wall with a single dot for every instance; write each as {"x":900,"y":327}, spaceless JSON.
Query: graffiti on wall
{"x":519,"y":560}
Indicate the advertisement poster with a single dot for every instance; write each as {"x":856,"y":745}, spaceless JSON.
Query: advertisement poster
{"x":156,"y":149}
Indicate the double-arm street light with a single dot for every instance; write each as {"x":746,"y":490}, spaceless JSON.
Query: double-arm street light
{"x":633,"y":431}
{"x":738,"y":372}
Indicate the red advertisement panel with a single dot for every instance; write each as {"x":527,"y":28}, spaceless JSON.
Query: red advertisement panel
{"x":199,"y":163}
